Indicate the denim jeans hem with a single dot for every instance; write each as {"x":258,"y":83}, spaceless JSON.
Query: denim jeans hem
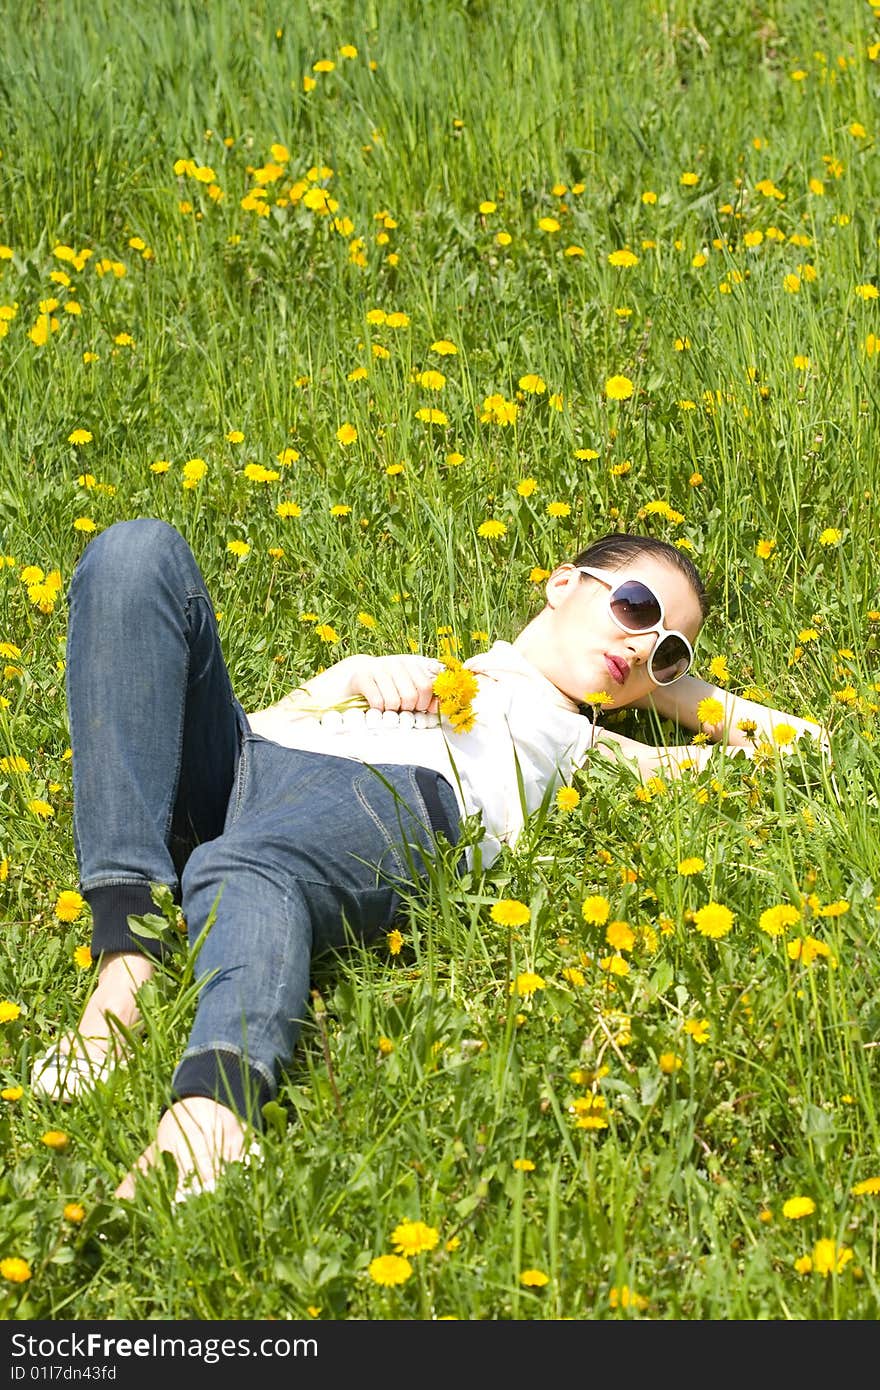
{"x":224,"y":1075}
{"x":111,"y":905}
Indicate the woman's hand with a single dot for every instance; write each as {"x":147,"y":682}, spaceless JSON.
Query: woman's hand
{"x":403,"y":682}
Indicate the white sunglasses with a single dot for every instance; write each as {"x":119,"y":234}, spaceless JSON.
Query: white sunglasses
{"x":636,"y":608}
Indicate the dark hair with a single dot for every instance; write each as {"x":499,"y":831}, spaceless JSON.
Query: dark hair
{"x":618,"y":548}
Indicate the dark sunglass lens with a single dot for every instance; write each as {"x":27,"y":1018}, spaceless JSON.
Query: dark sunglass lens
{"x":671,"y":660}
{"x":634,"y":605}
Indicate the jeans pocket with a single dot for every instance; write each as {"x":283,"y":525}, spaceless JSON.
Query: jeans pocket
{"x":390,"y":797}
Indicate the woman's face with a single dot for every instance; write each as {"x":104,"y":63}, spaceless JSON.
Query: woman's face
{"x":581,"y":648}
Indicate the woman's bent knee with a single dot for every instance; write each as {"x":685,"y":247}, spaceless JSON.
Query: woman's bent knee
{"x":128,"y":554}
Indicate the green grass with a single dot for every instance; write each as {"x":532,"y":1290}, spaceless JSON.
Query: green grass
{"x":255,"y":323}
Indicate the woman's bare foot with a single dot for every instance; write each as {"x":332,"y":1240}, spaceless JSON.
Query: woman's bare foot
{"x":201,"y":1135}
{"x":78,"y":1060}
{"x":114,"y":998}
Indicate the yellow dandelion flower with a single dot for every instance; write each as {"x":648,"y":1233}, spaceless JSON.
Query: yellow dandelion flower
{"x":710,"y":711}
{"x":567,"y":799}
{"x":698,"y":1029}
{"x":498,"y":411}
{"x":346,"y":434}
{"x":256,"y":473}
{"x":510,"y":912}
{"x":830,"y":536}
{"x":534,"y":1278}
{"x":795,"y":1208}
{"x":669,"y":1063}
{"x":414,"y":1237}
{"x":75,"y":1213}
{"x":15,"y":1270}
{"x":68,"y":905}
{"x":625,"y":1297}
{"x":691,"y":865}
{"x":714,"y":920}
{"x":868,"y":1187}
{"x":784,"y":735}
{"x":620,"y":935}
{"x":54,"y":1139}
{"x":394,"y":940}
{"x":830,"y":1258}
{"x":492,"y":529}
{"x":526,"y":984}
{"x":777,"y":919}
{"x":80,"y":436}
{"x":431,"y":380}
{"x":548,"y":224}
{"x":444,"y":347}
{"x":389,"y":1270}
{"x":430,"y":416}
{"x":193,"y":472}
{"x":12,"y":1093}
{"x":596,"y":910}
{"x":618,"y":388}
{"x":524,"y":1165}
{"x":533,"y":384}
{"x":9,"y":1011}
{"x":835,"y":909}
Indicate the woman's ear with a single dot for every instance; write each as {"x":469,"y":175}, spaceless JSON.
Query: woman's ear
{"x":563,"y":582}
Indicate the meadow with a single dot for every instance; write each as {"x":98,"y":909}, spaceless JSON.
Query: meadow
{"x":389,"y":307}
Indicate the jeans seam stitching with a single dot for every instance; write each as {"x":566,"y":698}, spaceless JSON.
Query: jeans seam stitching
{"x":381,"y":827}
{"x":242,"y":773}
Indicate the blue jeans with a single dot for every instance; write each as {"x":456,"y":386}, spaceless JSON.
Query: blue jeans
{"x":287,"y":853}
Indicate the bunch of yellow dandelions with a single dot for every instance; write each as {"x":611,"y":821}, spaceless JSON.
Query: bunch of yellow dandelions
{"x":455,"y":689}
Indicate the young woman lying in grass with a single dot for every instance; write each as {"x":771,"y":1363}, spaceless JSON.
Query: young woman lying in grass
{"x":296,"y":832}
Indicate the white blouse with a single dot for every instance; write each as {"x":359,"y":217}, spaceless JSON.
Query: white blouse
{"x":521,"y":718}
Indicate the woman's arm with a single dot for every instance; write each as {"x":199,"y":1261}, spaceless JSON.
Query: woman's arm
{"x":401,"y":682}
{"x":649,"y":761}
{"x":743,"y":720}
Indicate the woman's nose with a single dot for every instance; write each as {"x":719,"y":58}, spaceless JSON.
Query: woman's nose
{"x":641,"y":644}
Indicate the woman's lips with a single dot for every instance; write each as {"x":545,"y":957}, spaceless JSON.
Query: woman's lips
{"x":619,"y":669}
